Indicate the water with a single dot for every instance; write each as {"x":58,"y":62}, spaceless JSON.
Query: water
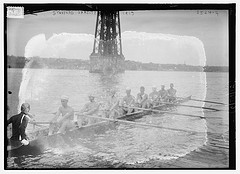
{"x":124,"y":143}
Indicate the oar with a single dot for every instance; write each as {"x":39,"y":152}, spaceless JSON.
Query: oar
{"x":181,"y":114}
{"x":141,"y":124}
{"x":154,"y":110}
{"x":207,"y":101}
{"x":191,"y":106}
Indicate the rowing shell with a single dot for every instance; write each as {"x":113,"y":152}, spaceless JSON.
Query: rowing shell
{"x":43,"y":141}
{"x":160,"y":107}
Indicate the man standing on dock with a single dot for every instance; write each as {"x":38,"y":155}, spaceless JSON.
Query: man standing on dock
{"x":171,"y":93}
{"x":128,"y":102}
{"x":19,"y":124}
{"x":65,"y":122}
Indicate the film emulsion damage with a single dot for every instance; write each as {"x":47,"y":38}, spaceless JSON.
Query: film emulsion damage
{"x":15,"y":12}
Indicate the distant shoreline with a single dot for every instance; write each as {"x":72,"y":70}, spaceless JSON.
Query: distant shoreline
{"x":78,"y":64}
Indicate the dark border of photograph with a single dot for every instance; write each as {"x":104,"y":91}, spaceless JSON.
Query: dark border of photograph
{"x":231,"y":8}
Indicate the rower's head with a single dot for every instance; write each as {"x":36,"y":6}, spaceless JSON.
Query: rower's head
{"x":142,"y":89}
{"x":128,"y":91}
{"x":91,"y":97}
{"x":25,"y":108}
{"x":162,"y":87}
{"x":64,"y":100}
{"x":154,"y":88}
{"x":171,"y":85}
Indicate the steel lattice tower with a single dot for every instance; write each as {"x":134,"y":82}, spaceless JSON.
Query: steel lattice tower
{"x":107,"y":49}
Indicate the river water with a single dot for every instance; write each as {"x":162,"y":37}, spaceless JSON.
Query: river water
{"x":124,"y":143}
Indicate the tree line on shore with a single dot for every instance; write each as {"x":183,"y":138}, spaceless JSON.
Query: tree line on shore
{"x":63,"y":63}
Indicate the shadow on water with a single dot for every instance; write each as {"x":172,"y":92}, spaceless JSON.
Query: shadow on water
{"x":34,"y":148}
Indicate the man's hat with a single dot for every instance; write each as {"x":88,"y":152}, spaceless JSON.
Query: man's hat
{"x":91,"y":95}
{"x":64,"y":97}
{"x":128,"y":89}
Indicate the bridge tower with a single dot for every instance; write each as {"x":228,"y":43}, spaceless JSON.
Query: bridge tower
{"x":107,"y":49}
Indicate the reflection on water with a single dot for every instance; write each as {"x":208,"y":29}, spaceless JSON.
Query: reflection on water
{"x":123,"y":142}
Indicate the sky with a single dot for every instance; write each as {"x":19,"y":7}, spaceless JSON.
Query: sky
{"x":162,"y":36}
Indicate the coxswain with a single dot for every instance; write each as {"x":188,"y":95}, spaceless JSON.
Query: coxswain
{"x":142,"y":98}
{"x":19,"y":123}
{"x":171,"y":93}
{"x":127,"y":102}
{"x":91,"y":108}
{"x":63,"y":118}
{"x":154,"y":97}
{"x":163,"y":94}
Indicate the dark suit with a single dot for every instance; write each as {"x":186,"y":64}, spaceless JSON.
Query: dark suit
{"x":19,"y":124}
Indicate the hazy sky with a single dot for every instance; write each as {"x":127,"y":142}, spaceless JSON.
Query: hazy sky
{"x":190,"y":29}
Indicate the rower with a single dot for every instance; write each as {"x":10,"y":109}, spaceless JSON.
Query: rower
{"x":19,"y":124}
{"x":128,"y":101}
{"x":142,"y":98}
{"x":90,"y":108}
{"x":113,"y":105}
{"x":171,"y":93}
{"x":163,"y":94}
{"x":65,"y":122}
{"x":153,"y":97}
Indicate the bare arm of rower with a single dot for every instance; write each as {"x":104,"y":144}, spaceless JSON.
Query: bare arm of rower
{"x":175,"y":92}
{"x":144,"y":99}
{"x":114,"y":105}
{"x":82,"y":110}
{"x":91,"y":111}
{"x":67,"y":115}
{"x":132,"y":101}
{"x":157,"y":97}
{"x":30,"y":117}
{"x":138,"y":98}
{"x":54,"y":120}
{"x":122,"y":101}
